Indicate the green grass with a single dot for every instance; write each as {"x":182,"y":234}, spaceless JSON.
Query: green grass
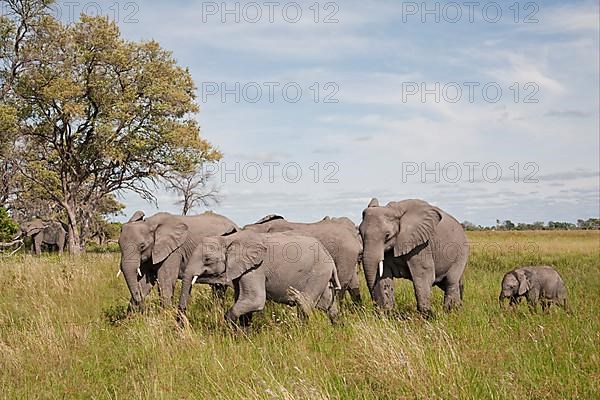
{"x":64,"y":333}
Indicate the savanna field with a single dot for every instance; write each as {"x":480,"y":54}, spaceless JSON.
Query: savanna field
{"x":65,"y":333}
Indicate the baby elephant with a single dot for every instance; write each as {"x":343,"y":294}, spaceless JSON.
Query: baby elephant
{"x":284,"y":267}
{"x":538,"y":284}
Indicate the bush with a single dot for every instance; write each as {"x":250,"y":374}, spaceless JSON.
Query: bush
{"x":8,"y":227}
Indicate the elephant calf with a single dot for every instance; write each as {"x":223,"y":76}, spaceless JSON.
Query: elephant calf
{"x":538,"y":284}
{"x":283,"y":267}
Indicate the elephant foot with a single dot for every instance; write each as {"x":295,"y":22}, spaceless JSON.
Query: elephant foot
{"x":182,"y":320}
{"x":231,"y":318}
{"x":333,"y":313}
{"x":134,"y":308}
{"x":355,"y":296}
{"x":246,"y":320}
{"x":451,"y":304}
{"x":426,"y":314}
{"x":384,"y":294}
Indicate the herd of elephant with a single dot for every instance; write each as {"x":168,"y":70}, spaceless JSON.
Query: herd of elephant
{"x":310,"y":265}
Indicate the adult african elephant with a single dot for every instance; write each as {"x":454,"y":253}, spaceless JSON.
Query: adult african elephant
{"x":338,"y":235}
{"x":261,"y":266}
{"x":414,"y":240}
{"x":44,"y":232}
{"x":158,"y":248}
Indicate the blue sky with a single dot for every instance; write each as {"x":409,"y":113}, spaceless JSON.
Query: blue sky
{"x":374,"y":58}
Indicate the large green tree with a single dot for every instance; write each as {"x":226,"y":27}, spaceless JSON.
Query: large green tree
{"x":90,"y":113}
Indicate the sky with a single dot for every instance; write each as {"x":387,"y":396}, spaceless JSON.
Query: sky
{"x":489,"y":110}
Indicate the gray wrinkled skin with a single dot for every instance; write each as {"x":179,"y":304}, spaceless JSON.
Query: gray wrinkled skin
{"x":541,"y":284}
{"x":339,"y":236}
{"x":287,"y":268}
{"x":415,"y":241}
{"x":160,"y":247}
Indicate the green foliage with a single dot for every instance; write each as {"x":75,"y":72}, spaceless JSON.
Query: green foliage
{"x":73,"y":317}
{"x":92,"y":113}
{"x":8,"y":227}
{"x":113,"y":230}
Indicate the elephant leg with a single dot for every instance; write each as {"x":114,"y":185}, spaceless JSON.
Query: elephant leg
{"x":251,"y":295}
{"x":532,"y":299}
{"x":384,"y":293}
{"x":61,"y":244}
{"x":422,"y":271}
{"x":328,"y":304}
{"x":461,"y":287}
{"x":452,"y":295}
{"x":37,"y":244}
{"x":354,"y":290}
{"x":167,"y":278}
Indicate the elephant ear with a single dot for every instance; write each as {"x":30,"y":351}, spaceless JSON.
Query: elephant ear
{"x":268,"y":218}
{"x":418,"y":221}
{"x":137,"y":216}
{"x":243,"y":255}
{"x":230,"y":231}
{"x":523,"y":282}
{"x":167,"y":239}
{"x":373,"y":203}
{"x":35,"y":227}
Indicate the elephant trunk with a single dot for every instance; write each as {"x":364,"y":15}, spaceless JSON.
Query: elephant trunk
{"x":372,"y":259}
{"x":131,"y":273}
{"x":502,"y":300}
{"x":186,"y":290}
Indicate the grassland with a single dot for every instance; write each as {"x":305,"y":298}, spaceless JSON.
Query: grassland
{"x":64,"y":333}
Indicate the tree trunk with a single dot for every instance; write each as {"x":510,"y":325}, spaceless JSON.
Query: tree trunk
{"x":74,"y":243}
{"x":84,"y":231}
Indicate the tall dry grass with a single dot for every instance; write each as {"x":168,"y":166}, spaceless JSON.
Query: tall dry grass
{"x":64,"y":333}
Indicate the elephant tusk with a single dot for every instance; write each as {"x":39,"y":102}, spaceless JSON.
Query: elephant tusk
{"x":381,"y":268}
{"x":194,"y":279}
{"x":139,"y":272}
{"x":119,"y":273}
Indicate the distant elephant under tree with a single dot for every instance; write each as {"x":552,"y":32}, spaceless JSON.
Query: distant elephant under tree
{"x":414,"y":240}
{"x":338,"y":235}
{"x":44,"y":232}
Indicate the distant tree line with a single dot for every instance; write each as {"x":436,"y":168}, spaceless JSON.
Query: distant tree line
{"x":508,"y":225}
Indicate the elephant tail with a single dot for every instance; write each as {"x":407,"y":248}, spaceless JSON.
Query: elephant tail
{"x":335,"y":282}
